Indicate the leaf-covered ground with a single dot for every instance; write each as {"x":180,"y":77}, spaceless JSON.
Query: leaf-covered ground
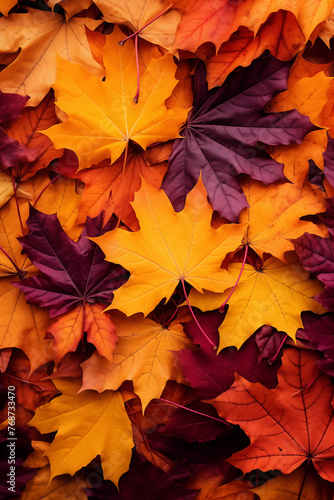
{"x":167,"y":250}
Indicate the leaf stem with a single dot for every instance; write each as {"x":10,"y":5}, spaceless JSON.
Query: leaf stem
{"x":24,"y":381}
{"x":193,"y":315}
{"x":194,"y":411}
{"x":44,"y":188}
{"x":272,"y":360}
{"x":19,"y":271}
{"x":136,"y":97}
{"x":122,"y":42}
{"x":221,"y":309}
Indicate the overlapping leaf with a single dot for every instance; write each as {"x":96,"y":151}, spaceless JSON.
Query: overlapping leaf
{"x":143,"y":354}
{"x":169,"y":247}
{"x":88,"y":424}
{"x":102,"y":117}
{"x":274,"y":294}
{"x":277,"y":442}
{"x":41,"y":36}
{"x":223,"y":133}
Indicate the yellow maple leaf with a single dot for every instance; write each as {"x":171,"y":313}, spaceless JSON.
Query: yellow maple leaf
{"x":102,"y":117}
{"x":273,"y":295}
{"x":169,"y":246}
{"x":143,"y":354}
{"x":88,"y":424}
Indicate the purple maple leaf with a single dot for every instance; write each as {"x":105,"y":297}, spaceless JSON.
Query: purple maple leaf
{"x":225,"y":135}
{"x":329,"y":161}
{"x":73,"y":273}
{"x":316,"y":255}
{"x":319,"y":332}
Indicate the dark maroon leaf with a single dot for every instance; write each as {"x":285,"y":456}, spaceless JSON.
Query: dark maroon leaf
{"x":316,"y":254}
{"x":328,"y":216}
{"x":14,"y":154}
{"x":192,"y":427}
{"x":316,"y":175}
{"x":225,"y":136}
{"x":144,"y":480}
{"x":211,"y":374}
{"x":269,"y":341}
{"x":11,"y":106}
{"x":319,"y":332}
{"x":73,"y":273}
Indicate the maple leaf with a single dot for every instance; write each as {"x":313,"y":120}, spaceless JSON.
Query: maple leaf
{"x":274,"y":294}
{"x":136,"y":13}
{"x":74,"y":274}
{"x":22,"y":325}
{"x":143,"y":354}
{"x":316,"y":255}
{"x":70,"y":328}
{"x":318,"y":331}
{"x":182,"y":246}
{"x":113,"y":189}
{"x":302,"y":394}
{"x":304,"y":483}
{"x":310,"y":91}
{"x":88,"y":424}
{"x":24,"y":132}
{"x":222,"y":135}
{"x":210,"y":374}
{"x":41,"y":36}
{"x":280,"y":34}
{"x":102,"y":117}
{"x":202,"y":21}
{"x":274,"y":214}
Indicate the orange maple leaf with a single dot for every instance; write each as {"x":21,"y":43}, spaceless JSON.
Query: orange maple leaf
{"x":286,"y":425}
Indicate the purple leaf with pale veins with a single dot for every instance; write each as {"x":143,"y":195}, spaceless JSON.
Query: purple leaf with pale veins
{"x":225,"y":134}
{"x":73,"y":273}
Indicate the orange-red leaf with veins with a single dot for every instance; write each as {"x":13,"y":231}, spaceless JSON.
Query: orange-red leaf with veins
{"x":286,"y":425}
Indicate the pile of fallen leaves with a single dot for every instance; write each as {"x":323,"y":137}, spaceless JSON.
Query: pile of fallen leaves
{"x":167,"y":249}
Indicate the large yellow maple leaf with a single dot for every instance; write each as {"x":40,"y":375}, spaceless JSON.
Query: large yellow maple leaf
{"x":88,"y":424}
{"x":273,"y":295}
{"x":169,"y":246}
{"x":102,"y":116}
{"x":143,"y":354}
{"x":41,"y":36}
